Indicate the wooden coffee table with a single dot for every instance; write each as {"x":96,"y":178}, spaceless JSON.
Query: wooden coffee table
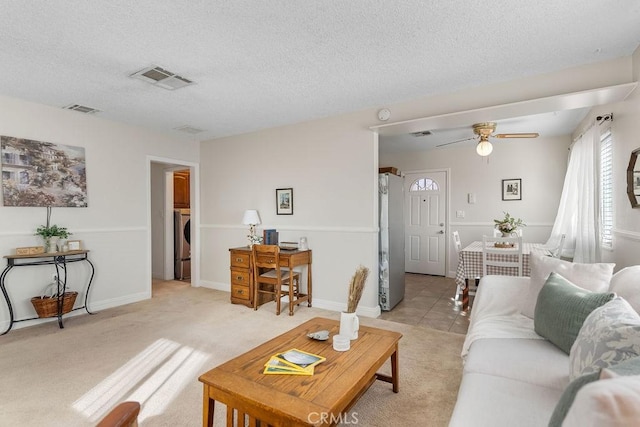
{"x":297,"y":400}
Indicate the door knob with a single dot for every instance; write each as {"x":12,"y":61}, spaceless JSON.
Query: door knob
{"x":440,"y":232}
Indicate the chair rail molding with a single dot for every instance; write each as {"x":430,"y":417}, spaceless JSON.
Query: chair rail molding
{"x":627,"y":234}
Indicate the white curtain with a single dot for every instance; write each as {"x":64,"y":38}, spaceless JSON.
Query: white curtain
{"x":579,"y":214}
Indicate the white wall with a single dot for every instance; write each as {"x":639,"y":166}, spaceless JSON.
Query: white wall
{"x":115,"y":226}
{"x":329,"y":165}
{"x":332,"y":166}
{"x":625,"y":129}
{"x":540,"y":163}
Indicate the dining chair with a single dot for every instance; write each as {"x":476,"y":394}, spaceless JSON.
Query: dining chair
{"x":457,"y":244}
{"x":502,"y":252}
{"x":270,"y":278}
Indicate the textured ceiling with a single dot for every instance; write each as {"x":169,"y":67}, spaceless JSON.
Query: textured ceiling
{"x":263,"y":64}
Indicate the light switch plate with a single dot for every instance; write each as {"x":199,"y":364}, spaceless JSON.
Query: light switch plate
{"x":459,"y":214}
{"x":471,"y":198}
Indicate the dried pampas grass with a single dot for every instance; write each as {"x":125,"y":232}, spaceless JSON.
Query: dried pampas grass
{"x":356,"y":287}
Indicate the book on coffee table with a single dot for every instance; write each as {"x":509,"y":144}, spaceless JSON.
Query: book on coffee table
{"x":293,"y":362}
{"x":276,"y":366}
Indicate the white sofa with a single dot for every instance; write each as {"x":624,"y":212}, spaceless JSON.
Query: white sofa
{"x":512,"y":376}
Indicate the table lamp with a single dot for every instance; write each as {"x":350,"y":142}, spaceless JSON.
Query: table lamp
{"x":252,"y":218}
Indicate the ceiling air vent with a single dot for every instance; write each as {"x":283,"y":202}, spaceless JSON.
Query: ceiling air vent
{"x":189,"y":129}
{"x":422,"y":133}
{"x":161,"y":77}
{"x":81,"y":108}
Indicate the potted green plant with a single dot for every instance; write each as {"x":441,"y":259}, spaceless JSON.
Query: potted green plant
{"x":508,"y":225}
{"x":51,"y":234}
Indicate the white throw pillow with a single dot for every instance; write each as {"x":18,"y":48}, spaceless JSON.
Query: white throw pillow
{"x":606,"y":403}
{"x":609,"y":335}
{"x":592,"y":277}
{"x":626,"y":283}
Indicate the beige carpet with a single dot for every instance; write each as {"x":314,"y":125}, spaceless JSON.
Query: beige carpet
{"x":154,"y":351}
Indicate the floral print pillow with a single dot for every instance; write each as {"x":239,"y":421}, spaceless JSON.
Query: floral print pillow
{"x":609,"y":335}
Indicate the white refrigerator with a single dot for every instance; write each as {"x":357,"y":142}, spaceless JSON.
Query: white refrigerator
{"x":391,"y":240}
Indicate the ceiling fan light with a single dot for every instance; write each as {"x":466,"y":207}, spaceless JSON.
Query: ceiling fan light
{"x":484,"y":148}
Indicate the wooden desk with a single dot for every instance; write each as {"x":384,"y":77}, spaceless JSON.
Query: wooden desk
{"x":242,"y":282}
{"x":59,"y":260}
{"x":298,"y":400}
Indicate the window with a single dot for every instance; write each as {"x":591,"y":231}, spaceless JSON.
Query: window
{"x":606,"y":189}
{"x":424,"y":184}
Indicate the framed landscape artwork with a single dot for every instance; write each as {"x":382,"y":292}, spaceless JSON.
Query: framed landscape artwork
{"x":284,"y":201}
{"x":37,"y":173}
{"x":512,"y":189}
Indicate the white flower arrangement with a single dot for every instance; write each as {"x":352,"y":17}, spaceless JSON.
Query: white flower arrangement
{"x":508,"y":224}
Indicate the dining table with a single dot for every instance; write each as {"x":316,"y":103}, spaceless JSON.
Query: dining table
{"x":470,"y":264}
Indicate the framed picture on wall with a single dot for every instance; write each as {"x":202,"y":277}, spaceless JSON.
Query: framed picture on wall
{"x":284,"y":201}
{"x":512,"y":189}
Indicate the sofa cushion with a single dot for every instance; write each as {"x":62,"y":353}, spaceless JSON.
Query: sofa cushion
{"x":609,"y":335}
{"x":593,"y":277}
{"x":533,"y":361}
{"x":562,"y":308}
{"x":568,"y":396}
{"x":612,"y":401}
{"x":626,"y":284}
{"x":489,"y":400}
{"x":630,"y":367}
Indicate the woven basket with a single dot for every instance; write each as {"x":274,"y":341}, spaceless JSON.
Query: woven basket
{"x":48,"y":306}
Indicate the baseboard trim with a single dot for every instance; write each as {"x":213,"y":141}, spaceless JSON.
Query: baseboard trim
{"x":94,"y":307}
{"x":318,"y":303}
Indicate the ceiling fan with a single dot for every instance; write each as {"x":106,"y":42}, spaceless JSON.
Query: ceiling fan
{"x":484,"y":131}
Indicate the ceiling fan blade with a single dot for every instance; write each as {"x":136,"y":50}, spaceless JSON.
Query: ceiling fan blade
{"x":516,"y":135}
{"x":455,"y":142}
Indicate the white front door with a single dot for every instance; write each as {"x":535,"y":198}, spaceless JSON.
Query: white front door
{"x":425,"y":222}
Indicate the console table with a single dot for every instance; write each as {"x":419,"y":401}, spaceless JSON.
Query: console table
{"x":57,"y":259}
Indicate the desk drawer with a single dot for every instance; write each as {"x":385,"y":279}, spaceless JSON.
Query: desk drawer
{"x":240,"y":292}
{"x":240,"y":259}
{"x":240,"y":277}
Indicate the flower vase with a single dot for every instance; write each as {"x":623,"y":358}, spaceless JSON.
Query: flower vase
{"x":51,"y":244}
{"x":349,"y":325}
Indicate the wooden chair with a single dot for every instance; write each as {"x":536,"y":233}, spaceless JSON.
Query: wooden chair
{"x":505,"y":257}
{"x":457,"y":244}
{"x":125,"y":414}
{"x":270,"y":278}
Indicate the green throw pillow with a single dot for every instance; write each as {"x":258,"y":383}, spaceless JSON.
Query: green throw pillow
{"x":629,"y":367}
{"x":568,"y":396}
{"x":562,"y":308}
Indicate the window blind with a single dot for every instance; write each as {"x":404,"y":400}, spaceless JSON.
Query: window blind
{"x":606,"y":189}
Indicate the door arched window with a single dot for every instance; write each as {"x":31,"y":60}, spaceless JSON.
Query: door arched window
{"x":424,"y":184}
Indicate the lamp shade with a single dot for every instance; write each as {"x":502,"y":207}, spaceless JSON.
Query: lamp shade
{"x":484,"y":148}
{"x":251,"y":217}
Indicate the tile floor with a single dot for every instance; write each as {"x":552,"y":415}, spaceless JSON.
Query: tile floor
{"x":428,"y":302}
